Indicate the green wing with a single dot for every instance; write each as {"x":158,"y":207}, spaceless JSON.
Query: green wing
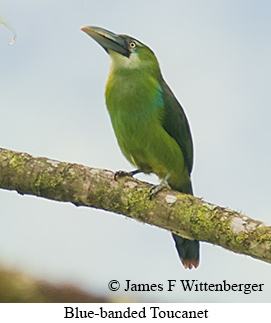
{"x":176,"y":125}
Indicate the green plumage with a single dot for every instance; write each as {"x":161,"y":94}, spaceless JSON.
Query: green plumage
{"x":149,"y":123}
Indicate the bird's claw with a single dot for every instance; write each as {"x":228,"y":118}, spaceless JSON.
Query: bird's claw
{"x":157,"y":188}
{"x":119,"y":174}
{"x":122,"y":173}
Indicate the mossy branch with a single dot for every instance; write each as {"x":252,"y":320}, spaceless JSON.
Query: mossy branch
{"x":187,"y":215}
{"x":17,"y":287}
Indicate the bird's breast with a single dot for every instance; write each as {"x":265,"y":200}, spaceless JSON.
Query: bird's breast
{"x":136,"y":109}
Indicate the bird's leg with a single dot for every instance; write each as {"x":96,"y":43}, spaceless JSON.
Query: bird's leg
{"x":155,"y":189}
{"x":122,"y":173}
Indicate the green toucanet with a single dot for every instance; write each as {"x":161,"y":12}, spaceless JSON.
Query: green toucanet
{"x":149,"y":123}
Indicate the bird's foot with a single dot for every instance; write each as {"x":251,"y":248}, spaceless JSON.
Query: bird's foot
{"x":122,"y":173}
{"x":157,"y":188}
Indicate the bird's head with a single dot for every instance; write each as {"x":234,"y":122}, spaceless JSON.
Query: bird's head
{"x":125,"y":51}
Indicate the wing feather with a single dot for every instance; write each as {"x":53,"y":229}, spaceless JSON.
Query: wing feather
{"x":176,"y":124}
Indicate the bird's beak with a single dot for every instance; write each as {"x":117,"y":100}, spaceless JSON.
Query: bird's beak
{"x":107,"y":39}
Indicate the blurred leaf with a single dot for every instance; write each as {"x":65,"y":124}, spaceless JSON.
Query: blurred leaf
{"x":8,"y":27}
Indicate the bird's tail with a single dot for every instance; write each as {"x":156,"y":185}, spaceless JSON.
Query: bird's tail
{"x":188,"y":250}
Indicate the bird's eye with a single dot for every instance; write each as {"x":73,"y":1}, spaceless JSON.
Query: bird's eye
{"x":132,"y":45}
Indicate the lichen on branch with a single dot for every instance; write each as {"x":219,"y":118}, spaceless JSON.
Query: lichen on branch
{"x":180,"y":213}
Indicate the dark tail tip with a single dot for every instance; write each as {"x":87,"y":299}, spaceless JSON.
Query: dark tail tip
{"x":188,"y":251}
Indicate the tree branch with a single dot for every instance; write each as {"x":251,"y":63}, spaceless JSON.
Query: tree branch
{"x":180,"y":213}
{"x":17,"y":287}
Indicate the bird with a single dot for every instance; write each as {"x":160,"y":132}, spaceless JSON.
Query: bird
{"x":150,"y":124}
